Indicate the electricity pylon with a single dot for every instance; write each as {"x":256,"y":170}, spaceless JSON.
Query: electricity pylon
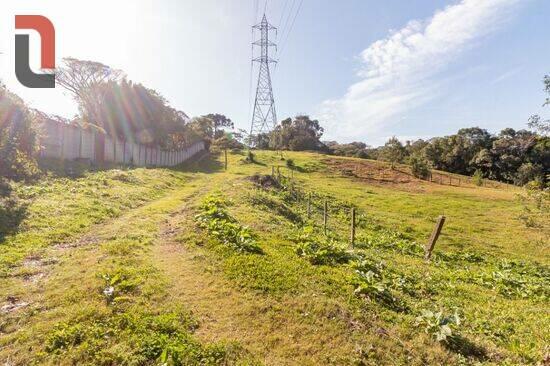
{"x":264,"y":118}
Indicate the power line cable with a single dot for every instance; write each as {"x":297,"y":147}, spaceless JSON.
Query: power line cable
{"x":284,"y":43}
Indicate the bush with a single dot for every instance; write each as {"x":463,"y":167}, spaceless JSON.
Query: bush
{"x":478,"y":178}
{"x":290,"y":164}
{"x":18,"y":141}
{"x":250,"y":158}
{"x":419,"y":167}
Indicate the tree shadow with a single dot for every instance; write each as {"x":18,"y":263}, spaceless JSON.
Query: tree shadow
{"x":466,"y":348}
{"x":12,"y":211}
{"x":206,"y":162}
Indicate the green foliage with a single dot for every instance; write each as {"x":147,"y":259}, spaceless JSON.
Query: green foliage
{"x":142,"y":338}
{"x":290,"y":164}
{"x":477,"y":178}
{"x":419,"y":167}
{"x":375,"y":281}
{"x":250,"y":158}
{"x":12,"y":210}
{"x":439,"y":326}
{"x":18,"y":140}
{"x":215,"y":218}
{"x":300,"y":133}
{"x":353,"y":149}
{"x":389,"y":240}
{"x":319,"y":251}
{"x":393,"y":151}
{"x":535,"y":203}
{"x":513,"y":279}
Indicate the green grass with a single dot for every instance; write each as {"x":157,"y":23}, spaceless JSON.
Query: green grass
{"x":202,"y":266}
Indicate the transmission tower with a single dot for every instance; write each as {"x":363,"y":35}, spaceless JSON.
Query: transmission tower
{"x":264,"y":118}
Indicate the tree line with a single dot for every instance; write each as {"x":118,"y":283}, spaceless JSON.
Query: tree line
{"x":511,"y":156}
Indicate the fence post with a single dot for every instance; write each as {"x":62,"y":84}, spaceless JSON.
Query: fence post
{"x":309,"y":205}
{"x":273,"y":171}
{"x":278,"y":174}
{"x":352,"y":236}
{"x":325,"y":217}
{"x":433,"y":238}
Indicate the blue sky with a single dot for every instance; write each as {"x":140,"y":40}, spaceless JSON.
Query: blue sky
{"x":368,"y":70}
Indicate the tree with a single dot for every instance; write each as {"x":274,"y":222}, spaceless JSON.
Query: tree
{"x":219,"y":122}
{"x":85,"y":81}
{"x":535,"y":121}
{"x":419,"y":167}
{"x":393,"y":151}
{"x":203,"y":127}
{"x":300,"y":133}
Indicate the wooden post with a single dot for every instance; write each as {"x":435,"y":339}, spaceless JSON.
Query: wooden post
{"x":352,"y":236}
{"x":273,"y":171}
{"x":450,"y":180}
{"x":309,"y":205}
{"x":279,"y":174}
{"x":325,"y":217}
{"x":433,"y":238}
{"x":225,"y":159}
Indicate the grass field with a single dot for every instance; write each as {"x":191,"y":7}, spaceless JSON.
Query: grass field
{"x":198,"y":265}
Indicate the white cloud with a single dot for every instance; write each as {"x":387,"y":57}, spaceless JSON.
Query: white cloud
{"x":399,"y":72}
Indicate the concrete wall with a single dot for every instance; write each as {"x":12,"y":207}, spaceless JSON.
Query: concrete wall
{"x":62,"y":141}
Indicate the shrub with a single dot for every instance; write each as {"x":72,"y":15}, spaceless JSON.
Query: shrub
{"x":478,"y":178}
{"x":18,"y":142}
{"x":290,"y":163}
{"x":535,"y":202}
{"x":419,"y":167}
{"x":250,"y":158}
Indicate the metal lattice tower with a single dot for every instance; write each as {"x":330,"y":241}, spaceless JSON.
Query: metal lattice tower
{"x":264,"y":118}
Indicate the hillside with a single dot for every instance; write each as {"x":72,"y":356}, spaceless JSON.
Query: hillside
{"x":198,"y":265}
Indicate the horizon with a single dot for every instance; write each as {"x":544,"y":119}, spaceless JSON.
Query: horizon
{"x":387,"y":69}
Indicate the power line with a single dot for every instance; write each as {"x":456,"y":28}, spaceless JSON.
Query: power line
{"x":282,"y":14}
{"x":285,"y":26}
{"x":284,"y":43}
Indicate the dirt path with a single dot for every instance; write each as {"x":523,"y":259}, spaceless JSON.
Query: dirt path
{"x":273,"y":329}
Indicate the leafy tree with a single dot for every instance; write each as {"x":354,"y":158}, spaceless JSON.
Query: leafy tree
{"x":353,"y":149}
{"x":300,"y":133}
{"x":419,"y":167}
{"x":203,"y":127}
{"x":219,"y":122}
{"x":393,"y":151}
{"x":85,"y":81}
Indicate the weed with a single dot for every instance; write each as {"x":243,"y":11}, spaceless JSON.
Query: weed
{"x":215,"y":218}
{"x":439,"y":326}
{"x":318,"y":250}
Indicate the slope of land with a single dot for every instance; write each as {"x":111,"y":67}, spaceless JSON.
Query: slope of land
{"x":198,"y":265}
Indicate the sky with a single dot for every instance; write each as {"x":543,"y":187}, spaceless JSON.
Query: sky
{"x":367,"y":69}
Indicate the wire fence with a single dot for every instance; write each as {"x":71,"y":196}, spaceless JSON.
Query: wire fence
{"x":323,"y":208}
